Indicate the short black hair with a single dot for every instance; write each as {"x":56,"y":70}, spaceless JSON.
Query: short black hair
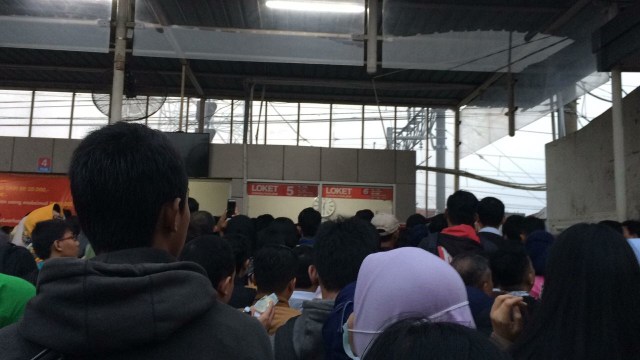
{"x":532,"y":223}
{"x":213,"y":254}
{"x":45,"y":233}
{"x":242,"y":224}
{"x":415,"y":219}
{"x":513,"y":227}
{"x":471,"y":267}
{"x":462,"y":207}
{"x":633,"y":227}
{"x":305,"y":259}
{"x":121,"y":175}
{"x":309,"y":220}
{"x":282,"y":231}
{"x":365,"y":214}
{"x":194,"y":205}
{"x":491,"y":212}
{"x":202,"y":223}
{"x":262,"y":222}
{"x":509,"y":266}
{"x":418,"y":338}
{"x":339,"y":249}
{"x":241,"y":249}
{"x":273,"y":267}
{"x":615,"y":225}
{"x":437,"y":223}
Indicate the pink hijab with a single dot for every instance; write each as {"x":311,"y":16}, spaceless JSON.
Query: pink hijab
{"x":406,"y":282}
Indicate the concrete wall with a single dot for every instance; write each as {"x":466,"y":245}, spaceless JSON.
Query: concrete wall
{"x":287,"y":163}
{"x":580,"y":184}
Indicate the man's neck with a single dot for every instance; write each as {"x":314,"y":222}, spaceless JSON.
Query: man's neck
{"x":329,"y":294}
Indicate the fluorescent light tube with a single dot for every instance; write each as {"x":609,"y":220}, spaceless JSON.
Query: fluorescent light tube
{"x":316,"y":6}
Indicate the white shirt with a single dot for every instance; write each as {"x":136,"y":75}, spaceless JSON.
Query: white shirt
{"x":298,"y":297}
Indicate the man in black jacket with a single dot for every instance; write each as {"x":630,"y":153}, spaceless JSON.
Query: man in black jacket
{"x":133,"y":301}
{"x":490,"y":218}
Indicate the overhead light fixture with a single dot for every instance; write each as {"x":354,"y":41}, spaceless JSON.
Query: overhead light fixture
{"x":316,"y":6}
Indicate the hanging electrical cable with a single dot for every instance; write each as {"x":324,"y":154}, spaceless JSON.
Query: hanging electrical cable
{"x":529,"y":187}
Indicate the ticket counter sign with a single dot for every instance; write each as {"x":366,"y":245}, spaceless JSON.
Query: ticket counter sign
{"x":290,"y":190}
{"x":357,"y":192}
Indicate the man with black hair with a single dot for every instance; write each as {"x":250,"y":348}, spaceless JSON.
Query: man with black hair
{"x":490,"y":218}
{"x":52,"y":239}
{"x":365,"y":214}
{"x":532,"y":223}
{"x":460,"y":235}
{"x":275,"y":273}
{"x":216,"y":257}
{"x":133,"y":300}
{"x":513,"y":229}
{"x":242,"y":296}
{"x":306,"y":277}
{"x":309,"y":220}
{"x":513,"y":273}
{"x":201,"y":223}
{"x":476,"y":274}
{"x":194,"y":205}
{"x":340,"y":249}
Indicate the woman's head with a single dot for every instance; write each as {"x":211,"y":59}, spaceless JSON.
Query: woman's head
{"x":406,"y":282}
{"x":416,"y":338}
{"x":589,"y":308}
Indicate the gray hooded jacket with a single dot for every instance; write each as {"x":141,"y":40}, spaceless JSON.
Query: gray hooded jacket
{"x":301,"y":337}
{"x":131,"y":304}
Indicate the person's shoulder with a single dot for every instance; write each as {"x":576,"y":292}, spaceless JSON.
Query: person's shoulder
{"x":13,"y":346}
{"x":240,"y":333}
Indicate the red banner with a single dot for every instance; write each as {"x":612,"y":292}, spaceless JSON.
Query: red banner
{"x":272,"y":189}
{"x":357,"y":192}
{"x":21,"y":194}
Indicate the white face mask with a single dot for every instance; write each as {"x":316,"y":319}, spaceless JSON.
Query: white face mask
{"x":346,"y":346}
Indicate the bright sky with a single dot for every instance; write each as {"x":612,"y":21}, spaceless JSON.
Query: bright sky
{"x":521,"y":158}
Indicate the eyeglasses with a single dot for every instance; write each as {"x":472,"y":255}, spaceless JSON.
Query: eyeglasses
{"x":72,"y":237}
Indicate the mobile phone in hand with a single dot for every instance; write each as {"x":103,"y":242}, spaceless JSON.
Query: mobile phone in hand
{"x":231,"y":208}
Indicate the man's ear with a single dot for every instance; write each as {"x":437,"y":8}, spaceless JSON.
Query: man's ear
{"x":313,"y":275}
{"x":170,"y":216}
{"x":225,"y":286}
{"x":56,"y":246}
{"x":292,"y":285}
{"x":446,"y":216}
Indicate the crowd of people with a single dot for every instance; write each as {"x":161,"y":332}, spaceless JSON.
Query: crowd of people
{"x":142,"y":273}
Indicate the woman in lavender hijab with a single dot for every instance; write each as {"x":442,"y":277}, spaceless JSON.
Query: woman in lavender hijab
{"x":406,"y":282}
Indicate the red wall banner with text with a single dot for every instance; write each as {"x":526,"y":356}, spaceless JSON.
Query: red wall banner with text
{"x":21,"y":194}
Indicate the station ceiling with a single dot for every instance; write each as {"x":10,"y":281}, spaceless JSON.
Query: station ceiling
{"x":430,"y":52}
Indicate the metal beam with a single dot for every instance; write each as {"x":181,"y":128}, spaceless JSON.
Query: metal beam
{"x":475,"y":7}
{"x":119,"y":60}
{"x":160,"y":15}
{"x":240,"y":95}
{"x":372,"y":36}
{"x":264,"y":80}
{"x":619,"y":167}
{"x":480,"y":89}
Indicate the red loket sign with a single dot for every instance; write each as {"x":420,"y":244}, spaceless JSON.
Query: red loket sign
{"x":273,"y":189}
